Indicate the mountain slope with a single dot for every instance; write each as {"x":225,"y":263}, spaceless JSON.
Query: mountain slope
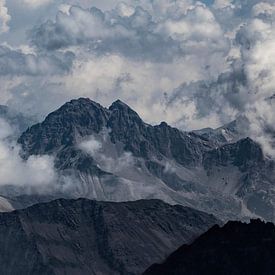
{"x":89,"y":237}
{"x":235,"y":249}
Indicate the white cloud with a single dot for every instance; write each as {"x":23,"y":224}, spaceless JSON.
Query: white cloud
{"x":4,"y":17}
{"x":221,"y":4}
{"x":125,"y":10}
{"x":36,"y":174}
{"x":263,"y":8}
{"x":91,"y":146}
{"x":37,"y":3}
{"x":5,"y":129}
{"x":106,"y":154}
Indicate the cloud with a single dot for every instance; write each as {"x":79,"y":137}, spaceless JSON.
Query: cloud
{"x":16,"y":62}
{"x":36,"y":174}
{"x":37,"y":3}
{"x":5,"y":129}
{"x":103,"y":33}
{"x":211,"y":103}
{"x":106,"y":154}
{"x":91,"y":146}
{"x":222,"y":4}
{"x":133,"y":32}
{"x":4,"y":17}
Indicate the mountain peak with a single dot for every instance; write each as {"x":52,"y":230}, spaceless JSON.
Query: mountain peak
{"x":121,"y":109}
{"x":118,"y":102}
{"x":81,"y":102}
{"x":63,"y":127}
{"x":120,"y":105}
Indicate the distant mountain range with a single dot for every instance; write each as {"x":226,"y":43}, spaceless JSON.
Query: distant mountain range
{"x":111,"y":154}
{"x":234,"y":249}
{"x":89,"y":237}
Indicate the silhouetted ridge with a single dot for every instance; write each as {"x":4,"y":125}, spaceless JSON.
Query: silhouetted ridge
{"x":237,"y":248}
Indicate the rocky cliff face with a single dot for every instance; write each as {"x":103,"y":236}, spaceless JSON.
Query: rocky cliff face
{"x":126,"y":159}
{"x":235,"y":249}
{"x":83,"y":117}
{"x":63,"y":127}
{"x":243,"y":154}
{"x":88,"y":237}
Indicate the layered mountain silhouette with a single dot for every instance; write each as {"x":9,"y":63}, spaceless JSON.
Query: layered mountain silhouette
{"x":134,"y":160}
{"x":236,"y":248}
{"x":89,"y":237}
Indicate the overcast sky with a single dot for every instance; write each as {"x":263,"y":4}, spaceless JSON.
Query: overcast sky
{"x":193,"y":64}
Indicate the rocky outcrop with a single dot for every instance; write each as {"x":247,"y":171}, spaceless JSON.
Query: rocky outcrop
{"x":243,"y":154}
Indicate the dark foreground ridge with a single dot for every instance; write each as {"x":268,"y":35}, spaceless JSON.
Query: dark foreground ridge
{"x":236,"y":248}
{"x":88,"y":237}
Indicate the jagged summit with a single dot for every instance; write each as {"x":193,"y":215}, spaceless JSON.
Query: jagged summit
{"x":78,"y":105}
{"x":122,"y":113}
{"x":118,"y":104}
{"x":63,"y":127}
{"x":84,"y":117}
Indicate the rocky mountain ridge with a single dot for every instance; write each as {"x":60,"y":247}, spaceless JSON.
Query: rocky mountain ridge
{"x":111,"y":154}
{"x":90,"y":237}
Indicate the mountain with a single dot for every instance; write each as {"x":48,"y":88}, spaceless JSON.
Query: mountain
{"x":111,"y":154}
{"x":83,"y":117}
{"x":90,"y":237}
{"x":236,"y":248}
{"x":229,"y":133}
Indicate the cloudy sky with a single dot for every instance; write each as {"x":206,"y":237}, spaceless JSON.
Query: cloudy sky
{"x":193,"y":64}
